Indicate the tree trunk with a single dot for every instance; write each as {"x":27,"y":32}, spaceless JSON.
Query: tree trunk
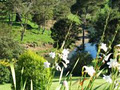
{"x":9,"y":18}
{"x":22,"y":35}
{"x":24,"y":28}
{"x":18,"y":17}
{"x":44,"y":26}
{"x":39,"y":26}
{"x":22,"y":32}
{"x":83,"y":28}
{"x":83,"y":39}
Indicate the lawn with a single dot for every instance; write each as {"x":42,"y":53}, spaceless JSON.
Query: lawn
{"x":5,"y":87}
{"x":34,"y":36}
{"x":74,"y":84}
{"x":32,"y":33}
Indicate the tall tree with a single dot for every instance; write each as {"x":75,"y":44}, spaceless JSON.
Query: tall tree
{"x":42,"y":11}
{"x":112,"y":27}
{"x":65,"y":32}
{"x":84,"y":8}
{"x":62,"y":8}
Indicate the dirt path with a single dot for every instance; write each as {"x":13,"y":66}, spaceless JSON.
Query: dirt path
{"x":38,"y":48}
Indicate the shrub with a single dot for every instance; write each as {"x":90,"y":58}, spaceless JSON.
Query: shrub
{"x":4,"y":74}
{"x":8,"y":47}
{"x":62,"y":28}
{"x":33,"y":70}
{"x":84,"y":59}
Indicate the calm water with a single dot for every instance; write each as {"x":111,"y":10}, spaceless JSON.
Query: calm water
{"x":90,"y":48}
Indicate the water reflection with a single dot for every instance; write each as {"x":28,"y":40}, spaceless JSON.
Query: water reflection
{"x":90,"y":48}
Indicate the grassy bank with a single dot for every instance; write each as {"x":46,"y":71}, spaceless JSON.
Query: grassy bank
{"x":74,"y":84}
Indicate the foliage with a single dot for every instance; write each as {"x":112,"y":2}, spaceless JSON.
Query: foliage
{"x":4,"y":74}
{"x":33,"y":70}
{"x":115,"y":4}
{"x":8,"y":47}
{"x":42,"y":11}
{"x":112,"y":26}
{"x":87,"y":10}
{"x":3,"y":12}
{"x":74,"y":18}
{"x":64,"y":29}
{"x":83,"y":7}
{"x":62,"y":9}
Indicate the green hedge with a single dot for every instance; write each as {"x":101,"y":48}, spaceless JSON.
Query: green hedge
{"x":4,"y":74}
{"x":33,"y":70}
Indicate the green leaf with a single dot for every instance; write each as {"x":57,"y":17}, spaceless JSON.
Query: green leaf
{"x":99,"y":86}
{"x":100,"y":72}
{"x":24,"y":84}
{"x":31,"y":85}
{"x":13,"y":74}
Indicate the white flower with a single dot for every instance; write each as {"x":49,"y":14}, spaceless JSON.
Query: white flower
{"x":64,"y":64}
{"x":66,"y":61}
{"x":118,"y":67}
{"x":103,"y":46}
{"x":58,"y":68}
{"x":64,"y":57}
{"x":113,"y":63}
{"x":46,"y":64}
{"x":65,"y":52}
{"x":65,"y":84}
{"x":90,"y":70}
{"x":107,"y":57}
{"x":107,"y":78}
{"x":52,"y":55}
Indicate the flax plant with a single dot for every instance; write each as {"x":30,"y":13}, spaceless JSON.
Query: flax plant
{"x":12,"y":68}
{"x":22,"y":83}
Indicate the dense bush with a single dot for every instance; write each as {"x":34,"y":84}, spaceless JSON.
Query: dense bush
{"x":62,"y":28}
{"x":33,"y":70}
{"x":84,"y":59}
{"x":9,"y":48}
{"x":4,"y":74}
